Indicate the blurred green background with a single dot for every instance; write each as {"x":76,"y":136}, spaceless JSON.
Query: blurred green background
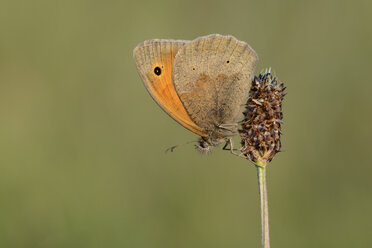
{"x":82,"y":160}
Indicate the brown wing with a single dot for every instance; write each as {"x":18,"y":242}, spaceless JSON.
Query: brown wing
{"x":212,"y":76}
{"x":154,"y":61}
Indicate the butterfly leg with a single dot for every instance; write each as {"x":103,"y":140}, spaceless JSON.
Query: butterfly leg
{"x":231,"y":143}
{"x":224,"y":147}
{"x":231,"y":149}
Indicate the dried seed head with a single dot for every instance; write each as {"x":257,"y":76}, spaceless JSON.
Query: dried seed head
{"x":260,"y":134}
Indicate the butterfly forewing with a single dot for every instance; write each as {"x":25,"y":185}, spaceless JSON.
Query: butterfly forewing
{"x":154,"y":60}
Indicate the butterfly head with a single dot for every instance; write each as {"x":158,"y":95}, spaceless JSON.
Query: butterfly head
{"x":205,"y":144}
{"x":220,"y":134}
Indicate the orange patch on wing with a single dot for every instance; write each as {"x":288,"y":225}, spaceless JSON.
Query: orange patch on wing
{"x":162,"y":89}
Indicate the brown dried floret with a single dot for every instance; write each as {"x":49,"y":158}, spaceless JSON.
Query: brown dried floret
{"x":261,"y":126}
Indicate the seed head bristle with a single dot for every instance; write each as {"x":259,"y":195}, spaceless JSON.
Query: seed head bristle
{"x":261,"y":126}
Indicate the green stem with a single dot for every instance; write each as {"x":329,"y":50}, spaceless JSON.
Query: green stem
{"x":261,"y":174}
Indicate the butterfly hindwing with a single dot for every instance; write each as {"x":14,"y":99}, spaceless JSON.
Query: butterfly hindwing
{"x":212,"y":76}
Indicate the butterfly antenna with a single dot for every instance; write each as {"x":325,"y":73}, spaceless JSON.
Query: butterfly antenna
{"x":171,"y":149}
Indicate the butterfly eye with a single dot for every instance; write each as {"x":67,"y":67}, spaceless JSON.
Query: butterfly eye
{"x":157,"y":70}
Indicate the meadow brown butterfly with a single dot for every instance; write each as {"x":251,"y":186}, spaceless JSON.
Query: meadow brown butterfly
{"x":202,"y":84}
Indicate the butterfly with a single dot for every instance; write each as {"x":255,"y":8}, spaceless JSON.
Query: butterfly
{"x":202,"y":84}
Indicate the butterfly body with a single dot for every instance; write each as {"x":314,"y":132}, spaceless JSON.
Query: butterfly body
{"x":202,"y":84}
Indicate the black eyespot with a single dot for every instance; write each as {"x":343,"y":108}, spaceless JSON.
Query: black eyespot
{"x":157,"y":70}
{"x":193,"y":69}
{"x":228,"y":61}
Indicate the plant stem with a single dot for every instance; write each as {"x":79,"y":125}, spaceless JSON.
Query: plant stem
{"x":261,"y":174}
